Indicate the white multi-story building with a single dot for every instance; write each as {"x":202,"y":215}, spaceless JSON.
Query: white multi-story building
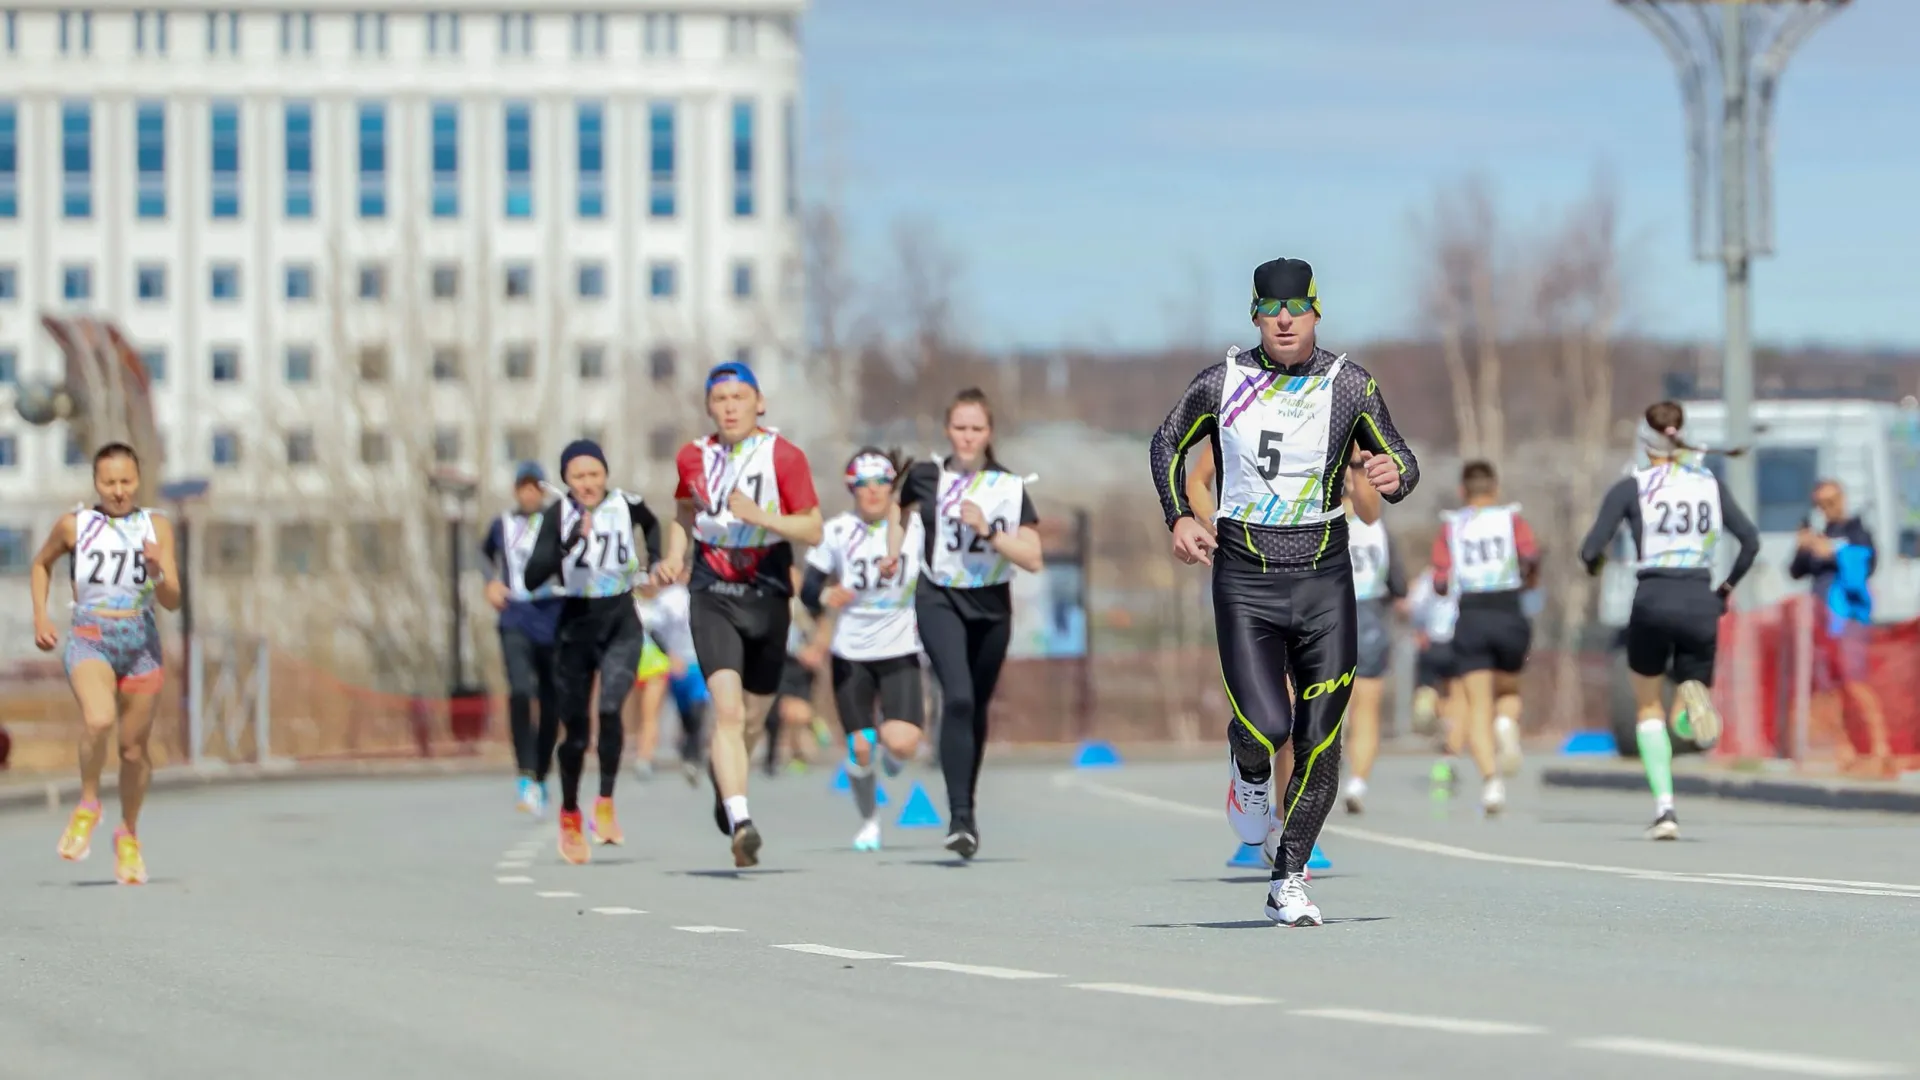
{"x":354,"y":242}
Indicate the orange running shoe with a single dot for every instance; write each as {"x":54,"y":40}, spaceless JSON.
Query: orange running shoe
{"x":606,"y":829}
{"x":573,"y":839}
{"x":77,"y":842}
{"x":128,"y":866}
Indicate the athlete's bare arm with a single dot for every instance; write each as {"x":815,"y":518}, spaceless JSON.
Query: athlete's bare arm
{"x":58,"y":545}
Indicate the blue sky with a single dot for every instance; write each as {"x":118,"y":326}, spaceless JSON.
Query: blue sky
{"x":1111,"y":170}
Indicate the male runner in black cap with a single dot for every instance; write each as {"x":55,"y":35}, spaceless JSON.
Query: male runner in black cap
{"x":1284,"y":420}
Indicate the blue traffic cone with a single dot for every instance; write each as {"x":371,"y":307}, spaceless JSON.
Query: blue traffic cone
{"x":919,"y":812}
{"x":1318,"y":860}
{"x":879,"y":794}
{"x":840,"y":779}
{"x":1096,"y":754}
{"x":1248,"y":857}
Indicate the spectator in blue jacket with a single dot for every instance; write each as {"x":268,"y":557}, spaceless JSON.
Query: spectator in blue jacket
{"x":1840,"y":559}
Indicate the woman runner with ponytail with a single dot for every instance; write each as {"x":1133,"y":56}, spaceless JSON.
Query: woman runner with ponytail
{"x":977,"y":524}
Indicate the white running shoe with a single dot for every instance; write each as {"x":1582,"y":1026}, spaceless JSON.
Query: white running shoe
{"x":868,"y":838}
{"x":1249,"y":809}
{"x":1356,"y":795}
{"x":1287,"y":903}
{"x":1493,"y":796}
{"x":1703,"y":721}
{"x":1506,"y":740}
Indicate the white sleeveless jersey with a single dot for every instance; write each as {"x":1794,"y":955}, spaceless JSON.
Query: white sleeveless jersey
{"x":747,"y":466}
{"x":1679,"y":517}
{"x":608,"y":561}
{"x":1480,"y":540}
{"x":1273,"y":435}
{"x":1433,"y":613}
{"x":880,"y":623}
{"x":517,"y":534}
{"x":667,"y":618}
{"x":110,"y":572}
{"x":1367,"y":548}
{"x":962,"y":558}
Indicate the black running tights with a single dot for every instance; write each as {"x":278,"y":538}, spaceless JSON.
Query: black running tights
{"x":966,"y":655}
{"x":607,"y":643}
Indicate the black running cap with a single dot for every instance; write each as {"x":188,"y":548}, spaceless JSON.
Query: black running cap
{"x":1285,"y":279}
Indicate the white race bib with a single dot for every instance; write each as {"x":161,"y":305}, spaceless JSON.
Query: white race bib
{"x":880,"y":622}
{"x":608,"y":560}
{"x":1367,"y":547}
{"x":1679,"y":516}
{"x":110,"y":571}
{"x":748,"y":467}
{"x":962,"y":558}
{"x":1273,"y":435}
{"x":517,"y":534}
{"x":1480,"y":540}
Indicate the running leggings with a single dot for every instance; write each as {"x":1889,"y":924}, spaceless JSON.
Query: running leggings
{"x":600,"y":636}
{"x":1270,"y":624}
{"x":530,"y":679}
{"x":966,"y":653}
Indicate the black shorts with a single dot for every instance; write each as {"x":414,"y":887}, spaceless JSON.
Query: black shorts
{"x":1275,"y":625}
{"x":796,"y":680}
{"x":1375,"y":620}
{"x":1436,"y":666}
{"x":1492,"y":638}
{"x":1674,"y":629}
{"x":745,"y":634}
{"x":895,"y":682}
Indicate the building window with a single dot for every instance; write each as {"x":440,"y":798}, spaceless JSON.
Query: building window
{"x":373,"y":364}
{"x":299,"y":365}
{"x":519,"y":363}
{"x":519,"y":281}
{"x":660,"y":34}
{"x":519,"y":159}
{"x":9,"y":283}
{"x":661,"y":364}
{"x":373,"y":282}
{"x":297,"y":548}
{"x":593,"y":361}
{"x":10,"y":30}
{"x":789,"y":152}
{"x":223,"y":28}
{"x":9,"y":459}
{"x":446,"y":364}
{"x":662,"y":442}
{"x":299,"y":122}
{"x":150,"y":282}
{"x":443,"y":33}
{"x":740,"y":34}
{"x":593,"y":280}
{"x":224,"y":281}
{"x":743,"y":159}
{"x":9,"y":368}
{"x":516,"y":34}
{"x":296,"y":33}
{"x":150,"y":159}
{"x":300,"y":447}
{"x":226,"y":159}
{"x":370,"y":33}
{"x":76,"y":283}
{"x":150,"y":32}
{"x":16,"y":545}
{"x":446,"y":159}
{"x":9,"y":160}
{"x":375,"y":448}
{"x":660,"y":154}
{"x":299,"y":281}
{"x":590,"y":132}
{"x":661,"y":281}
{"x":76,"y":33}
{"x":743,"y":280}
{"x":590,"y":33}
{"x":226,"y":449}
{"x":522,"y":444}
{"x":76,"y":159}
{"x":373,"y":160}
{"x":226,"y":364}
{"x":446,"y":445}
{"x":155,"y":361}
{"x":376,"y":546}
{"x":230,"y":545}
{"x":446,"y":281}
{"x":1784,"y":477}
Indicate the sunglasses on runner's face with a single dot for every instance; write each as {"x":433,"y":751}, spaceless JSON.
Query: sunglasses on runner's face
{"x":871,"y":481}
{"x":1295,"y":307}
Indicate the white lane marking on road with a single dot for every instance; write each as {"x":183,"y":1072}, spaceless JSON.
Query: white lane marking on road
{"x":1429,"y":1023}
{"x":512,"y":864}
{"x":1751,"y":1059}
{"x":1752,"y":881}
{"x":514,"y":879}
{"x":1198,"y":997}
{"x":709,"y":929}
{"x":975,"y":969}
{"x":844,"y":954}
{"x":617,"y":911}
{"x":555,"y":895}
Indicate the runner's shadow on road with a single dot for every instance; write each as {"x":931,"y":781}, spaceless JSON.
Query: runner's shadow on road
{"x":953,"y":863}
{"x":737,"y":875}
{"x":104,"y":882}
{"x":1248,"y":879}
{"x":1248,"y":924}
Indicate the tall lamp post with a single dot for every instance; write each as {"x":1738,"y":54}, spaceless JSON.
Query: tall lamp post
{"x":466,"y":704}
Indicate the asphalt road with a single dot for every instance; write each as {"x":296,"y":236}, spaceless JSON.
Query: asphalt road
{"x":422,"y":928}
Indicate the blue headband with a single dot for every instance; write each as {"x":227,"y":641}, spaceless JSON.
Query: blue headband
{"x":734,"y":370}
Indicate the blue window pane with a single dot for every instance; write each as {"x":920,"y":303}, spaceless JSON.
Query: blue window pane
{"x":299,"y":123}
{"x":226,"y":365}
{"x":9,"y":284}
{"x":76,"y":283}
{"x":9,"y":159}
{"x":150,"y":282}
{"x":593,"y":280}
{"x":593,"y":160}
{"x":226,"y":159}
{"x":660,"y":280}
{"x":743,"y":280}
{"x":224,"y":282}
{"x":155,"y":361}
{"x":10,"y":539}
{"x":150,"y":152}
{"x":299,"y":282}
{"x":76,"y":159}
{"x":373,"y":160}
{"x":1786,"y":476}
{"x":743,"y":159}
{"x":9,"y":367}
{"x":299,"y":364}
{"x":519,"y":160}
{"x":226,"y":448}
{"x":446,"y":160}
{"x":660,"y":154}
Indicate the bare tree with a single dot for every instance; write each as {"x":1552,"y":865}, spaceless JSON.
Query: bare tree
{"x":1460,"y":295}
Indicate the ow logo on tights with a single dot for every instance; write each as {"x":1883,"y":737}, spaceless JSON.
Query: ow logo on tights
{"x":1314,"y":690}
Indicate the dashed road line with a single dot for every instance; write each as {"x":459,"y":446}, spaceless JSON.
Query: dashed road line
{"x":1430,"y":1023}
{"x":1198,"y":997}
{"x":514,"y":879}
{"x":616,"y":911}
{"x":511,"y":864}
{"x":844,"y":954}
{"x":709,"y":929}
{"x":1751,"y":1059}
{"x":556,"y":895}
{"x":976,"y":969}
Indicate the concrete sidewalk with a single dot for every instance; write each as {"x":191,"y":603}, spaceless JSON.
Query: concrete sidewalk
{"x":1692,"y":777}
